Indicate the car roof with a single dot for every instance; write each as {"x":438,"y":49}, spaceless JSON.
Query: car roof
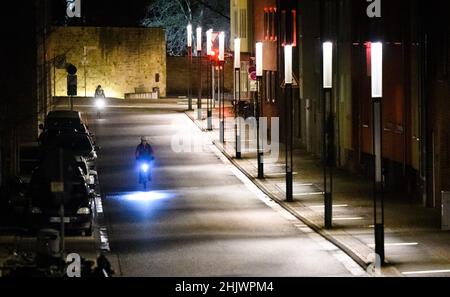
{"x":64,"y":114}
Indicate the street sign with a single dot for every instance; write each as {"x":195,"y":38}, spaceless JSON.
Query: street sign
{"x":71,"y":85}
{"x":57,"y":187}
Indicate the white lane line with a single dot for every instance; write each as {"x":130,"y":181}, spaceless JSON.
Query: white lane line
{"x":104,"y":240}
{"x":99,"y":204}
{"x":309,"y":194}
{"x":339,"y":255}
{"x":348,"y":219}
{"x":322,"y":206}
{"x":427,"y":272}
{"x":397,"y":244}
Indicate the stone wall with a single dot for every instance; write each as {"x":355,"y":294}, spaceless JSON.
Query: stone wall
{"x":119,"y":59}
{"x":178,"y":76}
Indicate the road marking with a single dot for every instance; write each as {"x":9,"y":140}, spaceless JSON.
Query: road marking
{"x":309,"y":194}
{"x":427,"y":272}
{"x":335,"y":252}
{"x":98,"y":204}
{"x":397,"y":244}
{"x":348,"y":219}
{"x":104,"y":240}
{"x":322,"y":206}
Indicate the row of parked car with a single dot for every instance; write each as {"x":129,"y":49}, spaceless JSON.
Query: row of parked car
{"x":66,"y":151}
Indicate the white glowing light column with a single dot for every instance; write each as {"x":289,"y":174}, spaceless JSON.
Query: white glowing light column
{"x":377,"y":95}
{"x":259,"y":74}
{"x":328,"y":129}
{"x":210,"y":54}
{"x":237,"y":95}
{"x":289,"y":135}
{"x":189,"y":54}
{"x":222,"y":83}
{"x":199,"y":70}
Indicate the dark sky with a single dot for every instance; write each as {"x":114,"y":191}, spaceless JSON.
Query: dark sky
{"x":105,"y":12}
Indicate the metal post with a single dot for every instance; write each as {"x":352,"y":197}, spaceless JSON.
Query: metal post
{"x":199,"y":100}
{"x":259,"y":149}
{"x":328,"y":155}
{"x":289,"y":143}
{"x":378,"y":181}
{"x":222,"y":102}
{"x":71,"y":102}
{"x":61,"y":207}
{"x":237,"y":101}
{"x":189,"y":79}
{"x":209,"y":100}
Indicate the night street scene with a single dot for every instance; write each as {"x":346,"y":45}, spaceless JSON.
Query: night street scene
{"x":215,"y":139}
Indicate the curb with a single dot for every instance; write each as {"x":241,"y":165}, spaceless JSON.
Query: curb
{"x":359,"y":259}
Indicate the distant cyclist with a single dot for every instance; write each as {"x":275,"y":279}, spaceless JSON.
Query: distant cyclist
{"x":99,"y":93}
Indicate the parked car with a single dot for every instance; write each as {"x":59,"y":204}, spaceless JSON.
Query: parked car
{"x":66,"y":120}
{"x":89,"y":174}
{"x":79,"y":144}
{"x":59,"y":119}
{"x":44,"y":205}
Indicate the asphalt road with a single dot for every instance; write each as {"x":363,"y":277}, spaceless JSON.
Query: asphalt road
{"x":199,"y":218}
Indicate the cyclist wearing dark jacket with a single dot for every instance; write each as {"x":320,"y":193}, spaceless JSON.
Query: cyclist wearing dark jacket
{"x":144,"y":150}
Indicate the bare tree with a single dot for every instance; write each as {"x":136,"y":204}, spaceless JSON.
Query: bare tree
{"x":175,"y":15}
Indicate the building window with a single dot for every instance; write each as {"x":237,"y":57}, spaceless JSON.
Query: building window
{"x":236,"y":23}
{"x":269,"y":86}
{"x":243,"y":23}
{"x":274,"y":86}
{"x":270,"y":23}
{"x":289,"y":27}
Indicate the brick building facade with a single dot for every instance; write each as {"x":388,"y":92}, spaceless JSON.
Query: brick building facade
{"x":415,"y":35}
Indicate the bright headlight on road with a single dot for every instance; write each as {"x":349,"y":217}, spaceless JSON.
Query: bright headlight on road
{"x":100,"y":103}
{"x":144,"y":167}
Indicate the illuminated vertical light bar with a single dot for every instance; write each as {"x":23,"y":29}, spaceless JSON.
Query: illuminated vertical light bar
{"x":328,"y":124}
{"x":222,"y":46}
{"x":237,"y":95}
{"x":237,"y":53}
{"x":259,"y":74}
{"x":328,"y":65}
{"x":377,"y":70}
{"x":209,"y":50}
{"x":259,"y":59}
{"x":189,"y":35}
{"x":377,"y":96}
{"x":199,"y":39}
{"x":288,"y":64}
{"x":288,"y":80}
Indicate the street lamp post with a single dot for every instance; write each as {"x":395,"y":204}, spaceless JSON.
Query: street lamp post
{"x":377,"y":95}
{"x":289,"y":135}
{"x":189,"y":52}
{"x":199,"y":70}
{"x":259,"y":74}
{"x":237,"y":95}
{"x":209,"y":53}
{"x":328,"y":131}
{"x":222,"y":79}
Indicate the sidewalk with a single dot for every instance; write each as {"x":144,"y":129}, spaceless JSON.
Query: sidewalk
{"x":415,"y":245}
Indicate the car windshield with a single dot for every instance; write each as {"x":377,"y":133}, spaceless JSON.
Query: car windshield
{"x":75,"y":142}
{"x":52,"y":123}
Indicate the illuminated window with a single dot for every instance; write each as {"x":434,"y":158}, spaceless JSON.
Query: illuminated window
{"x":289,"y":27}
{"x":269,"y":86}
{"x":270,"y":23}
